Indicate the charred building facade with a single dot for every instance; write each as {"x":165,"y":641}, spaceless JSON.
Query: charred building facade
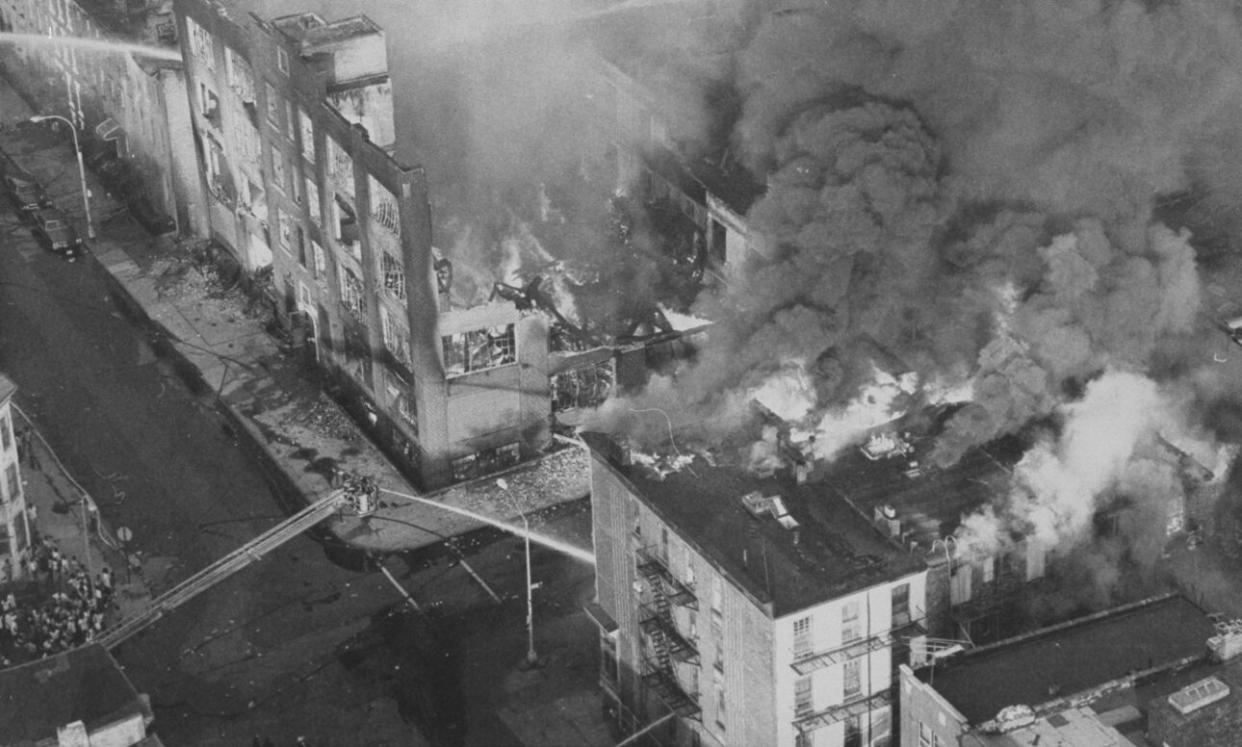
{"x":758,"y":611}
{"x":293,"y":119}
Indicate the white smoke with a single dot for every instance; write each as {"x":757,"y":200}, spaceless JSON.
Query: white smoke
{"x":1112,"y":442}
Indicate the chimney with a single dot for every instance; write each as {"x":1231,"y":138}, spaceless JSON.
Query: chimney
{"x":802,"y":470}
{"x":886,"y":519}
{"x":1226,"y":645}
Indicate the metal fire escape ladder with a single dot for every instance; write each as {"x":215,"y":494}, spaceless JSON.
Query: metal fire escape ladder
{"x":668,"y":644}
{"x":221,"y":569}
{"x":653,"y":567}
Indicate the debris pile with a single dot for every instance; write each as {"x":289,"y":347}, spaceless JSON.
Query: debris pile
{"x":325,"y":418}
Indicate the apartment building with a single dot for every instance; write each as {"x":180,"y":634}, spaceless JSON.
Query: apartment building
{"x":744,"y":610}
{"x":128,"y":109}
{"x":1158,"y":671}
{"x":14,"y":522}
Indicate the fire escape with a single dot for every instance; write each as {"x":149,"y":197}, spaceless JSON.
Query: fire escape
{"x":666,"y":642}
{"x":906,"y":625}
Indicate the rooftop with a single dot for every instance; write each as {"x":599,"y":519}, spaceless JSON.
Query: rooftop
{"x":930,"y":502}
{"x":85,"y":684}
{"x":1079,"y":727}
{"x":831,"y":553}
{"x":312,"y":30}
{"x":1069,"y":658}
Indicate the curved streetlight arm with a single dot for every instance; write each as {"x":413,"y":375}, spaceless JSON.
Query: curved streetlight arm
{"x":86,"y":201}
{"x":532,"y":658}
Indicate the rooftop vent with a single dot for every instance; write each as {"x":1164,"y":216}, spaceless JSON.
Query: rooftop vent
{"x":759,"y":505}
{"x":1193,"y":697}
{"x":1228,"y":642}
{"x":781,"y":514}
{"x":886,"y":519}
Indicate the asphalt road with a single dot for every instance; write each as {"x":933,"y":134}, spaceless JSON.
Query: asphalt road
{"x":296,"y":645}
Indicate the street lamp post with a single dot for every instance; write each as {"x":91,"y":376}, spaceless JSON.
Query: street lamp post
{"x":532,"y":658}
{"x":86,"y":200}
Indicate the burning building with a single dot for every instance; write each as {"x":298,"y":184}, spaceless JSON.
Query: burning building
{"x":984,"y":192}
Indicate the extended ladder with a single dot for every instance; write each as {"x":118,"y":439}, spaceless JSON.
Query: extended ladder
{"x":221,"y":569}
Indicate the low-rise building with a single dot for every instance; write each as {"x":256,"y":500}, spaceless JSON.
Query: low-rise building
{"x":1117,"y":677}
{"x":79,"y":697}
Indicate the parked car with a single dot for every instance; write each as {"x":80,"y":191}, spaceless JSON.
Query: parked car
{"x":54,"y":230}
{"x":26,"y":193}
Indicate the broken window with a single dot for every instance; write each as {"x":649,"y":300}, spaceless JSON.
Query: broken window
{"x":278,"y":170}
{"x":237,"y":72}
{"x":312,"y":199}
{"x":396,"y":337}
{"x":286,"y":230}
{"x":464,"y":468}
{"x":321,"y":264}
{"x":308,"y":135}
{"x":202,"y":45}
{"x":585,"y":386}
{"x":479,"y":349}
{"x":249,"y":147}
{"x":295,"y":180}
{"x":291,"y":122}
{"x":352,"y":294}
{"x":341,"y":166}
{"x":275,"y":104}
{"x":209,"y":104}
{"x":498,"y":458}
{"x":394,"y":276}
{"x":486,"y":461}
{"x":401,"y":399}
{"x":384,"y":207}
{"x":346,"y":226}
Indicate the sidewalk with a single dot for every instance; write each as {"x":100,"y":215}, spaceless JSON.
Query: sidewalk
{"x":264,"y":389}
{"x":65,"y":515}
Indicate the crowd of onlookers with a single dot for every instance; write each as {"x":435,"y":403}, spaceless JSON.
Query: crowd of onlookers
{"x":70,"y":611}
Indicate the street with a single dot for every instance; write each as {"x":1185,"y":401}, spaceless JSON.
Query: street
{"x":296,"y":645}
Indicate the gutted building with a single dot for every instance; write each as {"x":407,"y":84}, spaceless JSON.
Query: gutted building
{"x":755,"y":611}
{"x":294,"y":122}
